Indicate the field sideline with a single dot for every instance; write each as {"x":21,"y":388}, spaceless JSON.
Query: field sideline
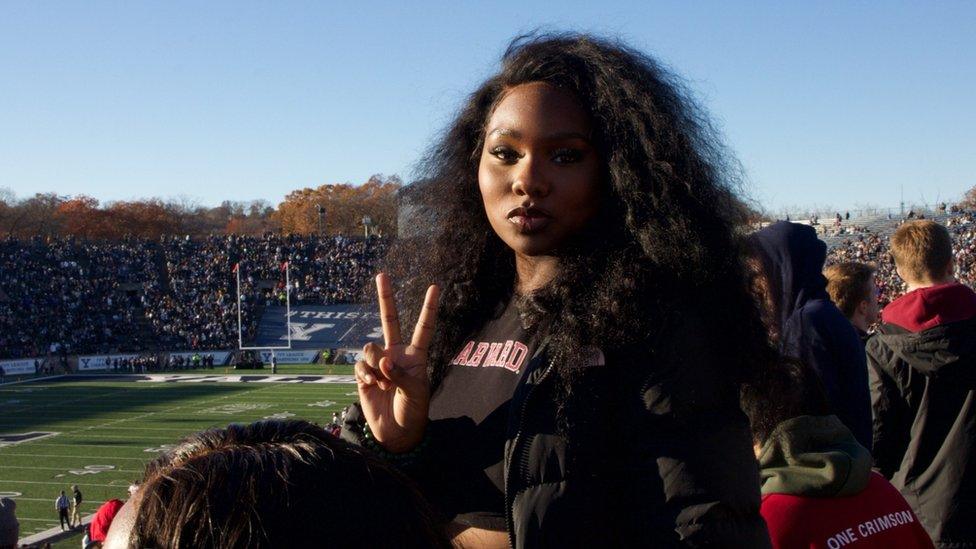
{"x":99,"y":433}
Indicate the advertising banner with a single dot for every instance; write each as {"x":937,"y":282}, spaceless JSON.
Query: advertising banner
{"x":101,"y":362}
{"x":18,"y":367}
{"x":289,"y":357}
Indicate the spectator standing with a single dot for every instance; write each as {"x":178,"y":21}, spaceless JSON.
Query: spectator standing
{"x":923,"y":382}
{"x":807,"y":325}
{"x":76,"y":499}
{"x":62,"y":504}
{"x":9,"y":526}
{"x":852,"y":288}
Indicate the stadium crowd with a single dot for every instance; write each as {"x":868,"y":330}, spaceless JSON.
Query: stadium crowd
{"x":63,"y":295}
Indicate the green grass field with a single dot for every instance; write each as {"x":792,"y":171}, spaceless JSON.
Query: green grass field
{"x":104,"y":431}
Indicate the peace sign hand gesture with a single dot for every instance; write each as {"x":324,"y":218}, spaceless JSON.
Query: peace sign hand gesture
{"x":392,"y":381}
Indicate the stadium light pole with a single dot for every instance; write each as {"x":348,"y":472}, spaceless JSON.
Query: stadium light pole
{"x":367,"y":221}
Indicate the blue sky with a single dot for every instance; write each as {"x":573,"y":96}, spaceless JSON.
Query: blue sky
{"x":825,"y":103}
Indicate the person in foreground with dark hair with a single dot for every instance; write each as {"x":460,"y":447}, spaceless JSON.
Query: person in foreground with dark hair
{"x":923,"y":385}
{"x":575,"y":248}
{"x":272,"y":484}
{"x":807,"y":326}
{"x":817,"y":484}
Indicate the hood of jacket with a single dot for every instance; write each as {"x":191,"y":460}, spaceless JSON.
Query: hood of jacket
{"x":793,"y":258}
{"x":813,"y":456}
{"x":926,"y":308}
{"x":944,"y":350}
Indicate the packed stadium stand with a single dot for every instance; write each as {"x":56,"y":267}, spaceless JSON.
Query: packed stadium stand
{"x":73,"y":296}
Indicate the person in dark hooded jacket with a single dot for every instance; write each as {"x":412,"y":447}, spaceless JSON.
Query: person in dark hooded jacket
{"x":923,"y":383}
{"x":807,"y":325}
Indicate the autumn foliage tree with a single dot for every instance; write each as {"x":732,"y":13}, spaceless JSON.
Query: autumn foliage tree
{"x":344,"y":207}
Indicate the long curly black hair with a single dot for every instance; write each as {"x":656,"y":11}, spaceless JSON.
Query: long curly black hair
{"x":663,"y":247}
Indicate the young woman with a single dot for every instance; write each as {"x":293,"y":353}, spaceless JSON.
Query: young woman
{"x":574,"y":238}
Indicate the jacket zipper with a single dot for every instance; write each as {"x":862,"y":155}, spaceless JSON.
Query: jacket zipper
{"x":509,"y":519}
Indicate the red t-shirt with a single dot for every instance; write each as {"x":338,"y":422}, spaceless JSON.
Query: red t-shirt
{"x":877,"y":517}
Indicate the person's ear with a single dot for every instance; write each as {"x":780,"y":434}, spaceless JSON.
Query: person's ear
{"x":862,"y":308}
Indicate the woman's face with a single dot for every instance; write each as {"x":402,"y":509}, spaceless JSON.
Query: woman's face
{"x":539,"y":173}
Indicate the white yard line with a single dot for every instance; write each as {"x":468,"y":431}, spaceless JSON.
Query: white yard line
{"x":62,"y":468}
{"x":36,"y":444}
{"x":18,"y":498}
{"x":126,"y":428}
{"x":79,"y":457}
{"x":32,"y":380}
{"x":62,"y":483}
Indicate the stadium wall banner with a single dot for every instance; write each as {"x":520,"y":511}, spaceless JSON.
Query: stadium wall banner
{"x":290,"y":357}
{"x":319,"y":327}
{"x":220,"y":357}
{"x":18,"y":367}
{"x":101,"y":362}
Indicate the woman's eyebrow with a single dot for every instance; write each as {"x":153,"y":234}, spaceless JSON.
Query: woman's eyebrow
{"x":515,"y":134}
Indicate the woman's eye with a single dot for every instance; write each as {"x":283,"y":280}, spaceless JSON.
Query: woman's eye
{"x":566,"y":156}
{"x":504,"y":154}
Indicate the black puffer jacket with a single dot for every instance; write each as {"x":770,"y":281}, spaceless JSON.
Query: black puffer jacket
{"x":658,"y":455}
{"x":923,"y":389}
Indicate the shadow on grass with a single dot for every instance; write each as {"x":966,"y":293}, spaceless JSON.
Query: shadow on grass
{"x":66,"y":401}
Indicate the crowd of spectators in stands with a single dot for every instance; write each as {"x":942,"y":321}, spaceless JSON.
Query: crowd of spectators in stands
{"x":63,"y":295}
{"x":871,"y":247}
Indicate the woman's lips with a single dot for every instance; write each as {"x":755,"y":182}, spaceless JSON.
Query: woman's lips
{"x":529,"y":224}
{"x":529,"y":218}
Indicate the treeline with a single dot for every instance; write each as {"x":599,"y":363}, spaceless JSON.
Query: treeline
{"x":328,"y":209}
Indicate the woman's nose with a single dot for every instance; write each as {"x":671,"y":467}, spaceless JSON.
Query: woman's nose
{"x":530,"y":178}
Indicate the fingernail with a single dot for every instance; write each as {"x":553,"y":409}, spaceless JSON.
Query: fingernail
{"x":368,"y":378}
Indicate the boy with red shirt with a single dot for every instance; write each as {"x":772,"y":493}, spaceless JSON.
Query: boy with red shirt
{"x":922,"y":366}
{"x":818,"y":490}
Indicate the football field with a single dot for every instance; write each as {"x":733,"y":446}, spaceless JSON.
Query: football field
{"x":98,"y":432}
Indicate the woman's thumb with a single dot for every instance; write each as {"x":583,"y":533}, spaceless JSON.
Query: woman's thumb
{"x":391,"y":371}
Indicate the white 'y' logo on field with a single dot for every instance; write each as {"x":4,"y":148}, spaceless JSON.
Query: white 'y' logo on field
{"x":301,"y":333}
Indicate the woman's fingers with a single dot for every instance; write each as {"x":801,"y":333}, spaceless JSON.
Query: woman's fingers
{"x":399,"y":377}
{"x":424,"y":330}
{"x":364,"y":374}
{"x":388,"y":311}
{"x":372,"y":353}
